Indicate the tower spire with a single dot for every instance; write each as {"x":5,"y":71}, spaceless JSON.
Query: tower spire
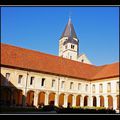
{"x":69,"y":30}
{"x":69,"y":43}
{"x":70,"y":15}
{"x":69,"y":20}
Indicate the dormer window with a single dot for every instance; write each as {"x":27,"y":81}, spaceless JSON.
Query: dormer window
{"x":66,"y":47}
{"x":71,"y":57}
{"x":72,"y":46}
{"x":82,"y":60}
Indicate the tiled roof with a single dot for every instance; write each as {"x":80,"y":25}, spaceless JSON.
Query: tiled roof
{"x":40,"y":62}
{"x":106,"y":71}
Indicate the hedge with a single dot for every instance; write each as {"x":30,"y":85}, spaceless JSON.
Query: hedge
{"x":74,"y":110}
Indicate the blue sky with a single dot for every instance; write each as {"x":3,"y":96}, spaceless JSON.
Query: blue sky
{"x":40,"y":28}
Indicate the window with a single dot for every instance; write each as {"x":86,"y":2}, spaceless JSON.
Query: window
{"x":72,"y":46}
{"x":53,"y":83}
{"x":82,"y":60}
{"x":7,"y":79}
{"x":7,"y":76}
{"x":71,"y":85}
{"x":43,"y":82}
{"x":19,"y":79}
{"x":79,"y":86}
{"x":101,"y":88}
{"x":109,"y":87}
{"x":62,"y":84}
{"x":86,"y":87}
{"x":117,"y":86}
{"x":31,"y":80}
{"x":66,"y":47}
{"x":93,"y":88}
{"x":70,"y":57}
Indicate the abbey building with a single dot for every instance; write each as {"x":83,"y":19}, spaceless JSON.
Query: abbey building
{"x":31,"y":78}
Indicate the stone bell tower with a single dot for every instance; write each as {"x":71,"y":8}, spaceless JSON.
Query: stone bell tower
{"x":69,"y":43}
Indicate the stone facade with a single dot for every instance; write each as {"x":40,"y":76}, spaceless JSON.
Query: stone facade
{"x":62,"y":92}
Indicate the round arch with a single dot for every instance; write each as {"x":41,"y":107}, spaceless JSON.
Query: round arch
{"x":51,"y":98}
{"x":110,"y":102}
{"x":30,"y":98}
{"x":101,"y":101}
{"x":86,"y":101}
{"x":94,"y":101}
{"x":70,"y":100}
{"x":41,"y":98}
{"x":61,"y":99}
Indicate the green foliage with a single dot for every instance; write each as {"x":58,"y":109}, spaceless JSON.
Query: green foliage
{"x":48,"y":108}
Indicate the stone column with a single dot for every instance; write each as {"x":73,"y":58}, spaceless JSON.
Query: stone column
{"x":74,"y":100}
{"x":46,"y":98}
{"x":56,"y":99}
{"x":90,"y":99}
{"x":81,"y":101}
{"x":36,"y":98}
{"x":98,"y":101}
{"x":114,"y":102}
{"x":106,"y":101}
{"x":65,"y":100}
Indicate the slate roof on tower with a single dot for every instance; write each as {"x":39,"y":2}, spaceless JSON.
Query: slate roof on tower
{"x":69,"y":30}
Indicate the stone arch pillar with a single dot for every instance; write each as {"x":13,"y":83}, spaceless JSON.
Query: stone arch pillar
{"x":46,"y":97}
{"x":65,"y":100}
{"x":74,"y":100}
{"x":106,"y":101}
{"x":56,"y":99}
{"x":118,"y":102}
{"x":36,"y":98}
{"x":115,"y":102}
{"x":82,"y":101}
